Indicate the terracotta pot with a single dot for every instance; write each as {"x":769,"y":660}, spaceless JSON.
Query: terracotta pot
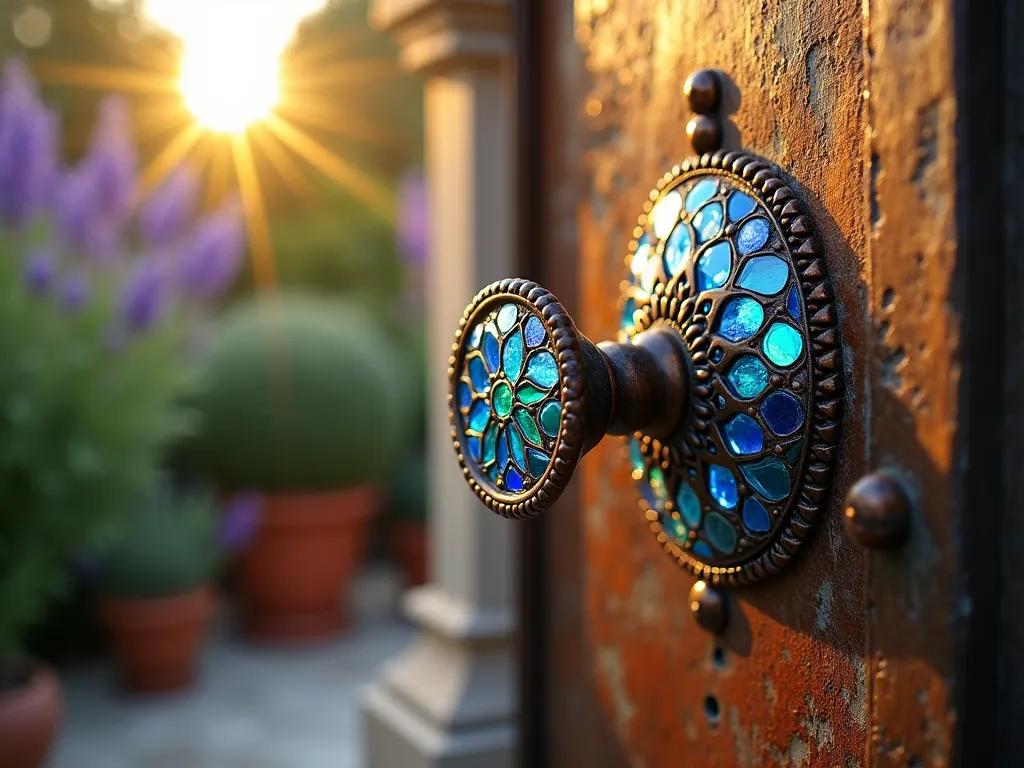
{"x":296,"y":573}
{"x":411,"y":543}
{"x":29,"y":711}
{"x":157,"y":640}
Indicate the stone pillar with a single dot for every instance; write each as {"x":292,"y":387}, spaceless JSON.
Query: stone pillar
{"x":449,"y":700}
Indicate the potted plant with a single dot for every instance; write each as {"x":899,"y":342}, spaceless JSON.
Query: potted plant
{"x":93,"y":368}
{"x":157,"y":586}
{"x":304,"y":403}
{"x":409,"y":531}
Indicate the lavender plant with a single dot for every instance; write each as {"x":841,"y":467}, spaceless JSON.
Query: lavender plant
{"x":101,"y":291}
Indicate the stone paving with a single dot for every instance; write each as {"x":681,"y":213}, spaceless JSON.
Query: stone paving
{"x":252,"y":707}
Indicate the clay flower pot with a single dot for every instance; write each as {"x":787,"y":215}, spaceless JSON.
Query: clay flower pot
{"x":30,"y":707}
{"x":411,"y":544}
{"x":296,"y":574}
{"x":157,"y":640}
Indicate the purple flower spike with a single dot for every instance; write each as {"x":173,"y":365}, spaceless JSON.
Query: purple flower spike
{"x":240,"y":521}
{"x":211,"y":262}
{"x":79,"y":223}
{"x":74,"y":293}
{"x":111,"y":160}
{"x":28,"y":147}
{"x":169,"y":209}
{"x":143,"y":297}
{"x":40,"y":268}
{"x":413,"y":217}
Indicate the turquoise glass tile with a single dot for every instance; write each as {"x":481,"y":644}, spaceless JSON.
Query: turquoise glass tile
{"x":473,"y":445}
{"x":490,"y":438}
{"x":783,"y":413}
{"x":517,"y":449}
{"x":793,"y":303}
{"x":748,"y":377}
{"x":551,"y":417}
{"x":688,"y":504}
{"x":465,"y":395}
{"x":502,"y":398}
{"x":513,"y":480}
{"x":475,"y":335}
{"x":512,"y":355}
{"x":793,"y":453}
{"x":657,"y":481}
{"x":636,"y":457}
{"x":665,"y":213}
{"x":701,"y":192}
{"x":491,"y":350}
{"x":507,"y":317}
{"x":755,"y":516}
{"x":502,"y":448}
{"x":708,"y":222}
{"x":769,"y":477}
{"x":478,"y":374}
{"x":722,"y":486}
{"x":713,"y":266}
{"x":542,"y":369}
{"x":752,"y":235}
{"x":643,"y":252}
{"x":766,"y":275}
{"x":529,"y":394}
{"x":740,"y":205}
{"x":701,"y":549}
{"x":783,"y":344}
{"x":534,"y":331}
{"x":527,"y":425}
{"x":674,"y":528}
{"x":741,"y":318}
{"x":651,"y":273}
{"x":538,"y":462}
{"x":492,"y":472}
{"x":478,"y":416}
{"x":627,"y":314}
{"x":720,"y":533}
{"x":743,"y":437}
{"x":678,"y":248}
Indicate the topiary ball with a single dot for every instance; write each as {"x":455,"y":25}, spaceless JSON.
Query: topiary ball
{"x":300,"y":394}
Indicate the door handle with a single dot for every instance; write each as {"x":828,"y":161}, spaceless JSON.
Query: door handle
{"x":725,"y":375}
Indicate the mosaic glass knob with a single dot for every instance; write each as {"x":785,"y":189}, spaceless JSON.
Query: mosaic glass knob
{"x":726,"y":375}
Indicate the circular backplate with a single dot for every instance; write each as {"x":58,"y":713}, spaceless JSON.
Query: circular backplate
{"x":725,"y":253}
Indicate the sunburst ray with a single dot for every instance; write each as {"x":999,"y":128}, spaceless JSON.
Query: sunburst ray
{"x":264,"y":271}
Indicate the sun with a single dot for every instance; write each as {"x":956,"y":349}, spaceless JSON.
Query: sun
{"x":226,"y":93}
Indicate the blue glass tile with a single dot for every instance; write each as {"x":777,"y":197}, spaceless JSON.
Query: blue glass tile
{"x":793,"y":303}
{"x":657,"y":482}
{"x":513,"y":480}
{"x":717,"y":354}
{"x":640,"y":257}
{"x":782,"y":413}
{"x":769,"y":477}
{"x":542,"y":369}
{"x":491,"y":349}
{"x":473,"y":445}
{"x":665,"y":213}
{"x":720,"y":533}
{"x":674,"y":528}
{"x":512,"y":355}
{"x":783,"y":344}
{"x":538,"y":462}
{"x":493,"y":472}
{"x":516,"y":446}
{"x":474,"y":336}
{"x":534,"y":331}
{"x":507,"y":317}
{"x":720,"y":402}
{"x":742,"y":436}
{"x":764,"y":274}
{"x":478,"y":416}
{"x":651,"y":273}
{"x":702,"y":191}
{"x":748,"y":377}
{"x":708,"y":222}
{"x":689,"y":505}
{"x":478,"y":375}
{"x":752,"y":235}
{"x":755,"y":516}
{"x":713,"y":266}
{"x":551,"y":417}
{"x":648,"y":494}
{"x":490,"y":438}
{"x":678,"y":248}
{"x":740,"y":204}
{"x":701,"y":549}
{"x":465,"y":395}
{"x":740,"y":319}
{"x":627,"y":314}
{"x":636,"y":457}
{"x":722,"y":486}
{"x":502,"y":448}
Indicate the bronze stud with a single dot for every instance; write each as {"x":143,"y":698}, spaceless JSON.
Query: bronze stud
{"x":877,"y":512}
{"x":703,"y":91}
{"x":710,"y":607}
{"x":705,"y":134}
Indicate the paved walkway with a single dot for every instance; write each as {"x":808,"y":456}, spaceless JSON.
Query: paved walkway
{"x":253,"y":707}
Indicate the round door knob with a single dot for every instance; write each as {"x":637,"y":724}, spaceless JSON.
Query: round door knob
{"x":878,"y":512}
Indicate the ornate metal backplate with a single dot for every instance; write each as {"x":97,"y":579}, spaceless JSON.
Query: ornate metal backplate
{"x":726,"y":253}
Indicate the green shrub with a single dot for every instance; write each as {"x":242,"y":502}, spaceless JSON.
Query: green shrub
{"x":407,"y":493}
{"x":168,"y":547}
{"x":301,"y":394}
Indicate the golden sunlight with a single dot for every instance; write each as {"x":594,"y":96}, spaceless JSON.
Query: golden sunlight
{"x":230,"y":56}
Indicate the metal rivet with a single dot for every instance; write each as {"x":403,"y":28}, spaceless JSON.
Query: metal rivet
{"x":710,"y":607}
{"x":705,"y":133}
{"x":877,"y":512}
{"x":703,"y":91}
